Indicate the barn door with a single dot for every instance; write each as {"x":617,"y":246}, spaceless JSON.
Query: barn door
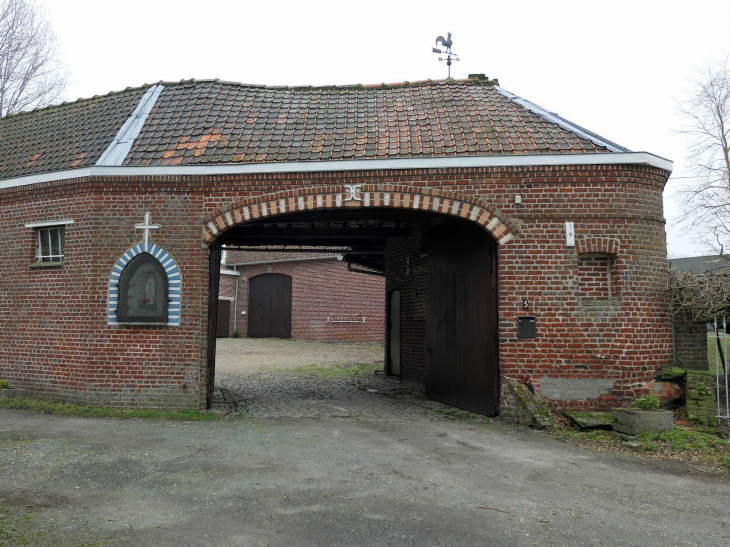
{"x":223,"y":327}
{"x":461,"y":334}
{"x":269,"y":306}
{"x":394,"y":334}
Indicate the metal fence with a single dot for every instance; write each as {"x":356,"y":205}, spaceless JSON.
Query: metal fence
{"x":722,"y":391}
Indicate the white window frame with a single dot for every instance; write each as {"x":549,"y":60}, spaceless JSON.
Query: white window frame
{"x":50,"y":229}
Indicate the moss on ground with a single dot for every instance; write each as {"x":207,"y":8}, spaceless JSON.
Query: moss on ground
{"x":463,"y":416}
{"x":24,"y":527}
{"x":66,"y":409}
{"x":337,"y":371}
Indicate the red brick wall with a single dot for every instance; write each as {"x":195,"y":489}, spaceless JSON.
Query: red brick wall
{"x":323,"y":289}
{"x":57,"y":342}
{"x":227,"y":291}
{"x":691,"y":342}
{"x":406,"y":268}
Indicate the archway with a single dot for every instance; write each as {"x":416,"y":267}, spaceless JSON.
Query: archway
{"x":364,"y":222}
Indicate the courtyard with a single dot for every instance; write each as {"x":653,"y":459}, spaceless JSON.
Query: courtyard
{"x":276,"y":378}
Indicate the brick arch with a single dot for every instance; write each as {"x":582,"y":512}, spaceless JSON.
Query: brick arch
{"x":356,"y":196}
{"x":597,"y":245}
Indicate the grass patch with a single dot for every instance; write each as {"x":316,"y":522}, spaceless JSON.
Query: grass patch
{"x":695,"y":445}
{"x":337,"y":371}
{"x":684,"y":440}
{"x":66,"y":409}
{"x":16,"y":528}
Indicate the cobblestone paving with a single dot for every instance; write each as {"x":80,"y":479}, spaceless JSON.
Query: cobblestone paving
{"x":271,"y":378}
{"x":280,"y":395}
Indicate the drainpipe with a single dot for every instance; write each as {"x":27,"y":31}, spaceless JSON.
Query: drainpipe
{"x":235,"y":300}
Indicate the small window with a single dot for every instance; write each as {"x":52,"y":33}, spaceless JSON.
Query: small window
{"x":50,"y":244}
{"x":50,"y":241}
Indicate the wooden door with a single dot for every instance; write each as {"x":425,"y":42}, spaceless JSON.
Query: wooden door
{"x":394,"y":334}
{"x":224,"y":319}
{"x":462,"y":367}
{"x":269,"y":306}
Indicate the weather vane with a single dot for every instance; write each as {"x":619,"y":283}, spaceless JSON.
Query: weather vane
{"x":447,"y":44}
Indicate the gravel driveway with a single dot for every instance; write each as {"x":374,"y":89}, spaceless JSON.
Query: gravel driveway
{"x":73,"y":482}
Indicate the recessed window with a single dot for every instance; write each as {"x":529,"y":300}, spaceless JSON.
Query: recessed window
{"x":50,"y":237}
{"x":595,"y":276}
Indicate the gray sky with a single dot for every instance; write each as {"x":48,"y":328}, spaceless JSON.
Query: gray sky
{"x":617,"y":68}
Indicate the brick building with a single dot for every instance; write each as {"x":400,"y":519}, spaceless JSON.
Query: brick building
{"x":514,"y":243}
{"x":329,"y":301}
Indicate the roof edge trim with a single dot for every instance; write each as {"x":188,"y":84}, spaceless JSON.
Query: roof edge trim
{"x":627,"y":158}
{"x":562,"y":122}
{"x":117,"y":151}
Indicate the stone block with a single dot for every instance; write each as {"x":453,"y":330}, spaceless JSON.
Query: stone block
{"x":633,"y":421}
{"x":589,"y":420}
{"x":13,"y":393}
{"x":672,"y":374}
{"x":574,"y":389}
{"x":520,"y":405}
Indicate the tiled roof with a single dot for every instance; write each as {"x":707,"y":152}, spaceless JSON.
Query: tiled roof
{"x":700,"y":264}
{"x":211,"y":122}
{"x":63,"y":136}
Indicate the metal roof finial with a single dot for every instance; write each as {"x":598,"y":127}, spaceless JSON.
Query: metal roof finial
{"x":446,"y":43}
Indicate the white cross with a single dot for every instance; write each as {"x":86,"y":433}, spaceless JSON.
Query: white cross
{"x":147,"y":227}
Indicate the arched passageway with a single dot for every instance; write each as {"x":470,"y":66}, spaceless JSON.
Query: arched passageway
{"x":439,"y":252}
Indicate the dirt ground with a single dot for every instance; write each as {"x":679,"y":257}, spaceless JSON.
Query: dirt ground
{"x":236,"y":356}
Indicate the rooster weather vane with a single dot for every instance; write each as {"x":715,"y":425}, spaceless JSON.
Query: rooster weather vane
{"x":450,"y":55}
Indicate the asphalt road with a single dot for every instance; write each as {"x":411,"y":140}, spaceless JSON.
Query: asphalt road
{"x":297,"y":482}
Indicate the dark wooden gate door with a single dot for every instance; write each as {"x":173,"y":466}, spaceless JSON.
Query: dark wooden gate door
{"x":214,"y":276}
{"x":224,"y":319}
{"x":269,"y":306}
{"x":394,"y":334}
{"x":462,"y":367}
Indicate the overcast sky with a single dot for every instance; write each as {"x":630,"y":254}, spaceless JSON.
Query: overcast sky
{"x":617,"y":68}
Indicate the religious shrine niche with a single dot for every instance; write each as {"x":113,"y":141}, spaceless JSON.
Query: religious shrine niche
{"x":143,"y":291}
{"x":145,"y":286}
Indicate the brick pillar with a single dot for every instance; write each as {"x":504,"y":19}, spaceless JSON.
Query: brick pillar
{"x":690,"y":338}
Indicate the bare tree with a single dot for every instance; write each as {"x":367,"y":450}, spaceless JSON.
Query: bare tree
{"x":31,"y":76}
{"x":707,"y":194}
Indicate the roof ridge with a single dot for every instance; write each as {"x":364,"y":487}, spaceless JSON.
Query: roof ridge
{"x":166,"y":83}
{"x":80,"y":100}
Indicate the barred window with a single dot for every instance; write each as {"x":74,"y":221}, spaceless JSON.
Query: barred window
{"x":50,"y":244}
